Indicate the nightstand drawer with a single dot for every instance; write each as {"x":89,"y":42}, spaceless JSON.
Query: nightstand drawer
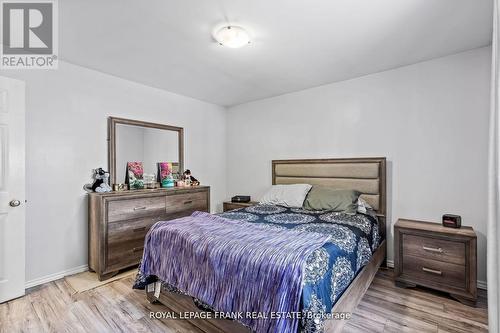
{"x":429,"y":272}
{"x":434,"y":248}
{"x":231,"y":206}
{"x":228,"y":205}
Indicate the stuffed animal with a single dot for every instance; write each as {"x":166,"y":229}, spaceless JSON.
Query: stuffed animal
{"x":101,"y":182}
{"x":190,"y":179}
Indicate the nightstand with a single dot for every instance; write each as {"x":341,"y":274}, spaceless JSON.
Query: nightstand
{"x":436,"y":257}
{"x":228,"y":205}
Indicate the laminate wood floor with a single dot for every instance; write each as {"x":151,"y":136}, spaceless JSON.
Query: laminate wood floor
{"x":115,"y":307}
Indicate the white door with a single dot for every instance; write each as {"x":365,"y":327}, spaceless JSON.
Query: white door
{"x":12,"y":189}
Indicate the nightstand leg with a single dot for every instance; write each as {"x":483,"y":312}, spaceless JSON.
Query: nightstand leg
{"x":401,"y":284}
{"x":463,"y":300}
{"x":383,"y":264}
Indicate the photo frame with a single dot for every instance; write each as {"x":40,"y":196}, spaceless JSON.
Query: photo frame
{"x":165,"y":173}
{"x":135,"y":175}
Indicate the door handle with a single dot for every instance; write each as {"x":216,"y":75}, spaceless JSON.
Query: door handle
{"x":15,"y":203}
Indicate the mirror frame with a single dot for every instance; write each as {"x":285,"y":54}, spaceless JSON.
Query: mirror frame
{"x":113,"y":121}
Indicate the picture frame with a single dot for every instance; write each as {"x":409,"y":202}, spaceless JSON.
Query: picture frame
{"x":135,"y":175}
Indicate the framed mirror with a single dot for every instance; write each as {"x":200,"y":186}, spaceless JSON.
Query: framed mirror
{"x":139,"y":141}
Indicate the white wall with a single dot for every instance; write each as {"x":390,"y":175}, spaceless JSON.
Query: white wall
{"x":66,"y":114}
{"x":430,"y":120}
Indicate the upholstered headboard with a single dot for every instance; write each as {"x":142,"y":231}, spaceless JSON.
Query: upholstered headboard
{"x":366,"y":175}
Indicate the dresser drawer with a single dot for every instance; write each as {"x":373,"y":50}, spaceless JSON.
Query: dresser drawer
{"x":123,"y":231}
{"x":135,"y":208}
{"x":430,"y":272}
{"x":187,"y":202}
{"x":124,"y":254}
{"x":125,"y":242}
{"x":434,"y":248}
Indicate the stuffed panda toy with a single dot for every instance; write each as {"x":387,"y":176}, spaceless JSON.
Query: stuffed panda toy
{"x":100,"y":184}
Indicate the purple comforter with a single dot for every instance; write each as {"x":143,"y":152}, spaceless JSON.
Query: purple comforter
{"x":234,"y":266}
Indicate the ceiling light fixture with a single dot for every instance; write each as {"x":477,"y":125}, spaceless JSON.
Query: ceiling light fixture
{"x":232,"y":36}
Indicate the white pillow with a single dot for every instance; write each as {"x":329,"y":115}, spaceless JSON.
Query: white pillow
{"x":363,"y":206}
{"x":286,"y":195}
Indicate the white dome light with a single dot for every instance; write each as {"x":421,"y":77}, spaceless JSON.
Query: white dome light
{"x":232,"y":36}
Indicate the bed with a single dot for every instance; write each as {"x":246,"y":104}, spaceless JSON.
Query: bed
{"x":335,"y":280}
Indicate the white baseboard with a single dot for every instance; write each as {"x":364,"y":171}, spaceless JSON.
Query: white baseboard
{"x":480,"y":284}
{"x":55,"y":276}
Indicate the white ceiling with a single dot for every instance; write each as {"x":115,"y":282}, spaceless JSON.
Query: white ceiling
{"x":297,"y":44}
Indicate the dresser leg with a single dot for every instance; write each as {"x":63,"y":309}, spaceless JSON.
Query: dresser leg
{"x":106,"y":276}
{"x":402,"y":284}
{"x":463,"y":300}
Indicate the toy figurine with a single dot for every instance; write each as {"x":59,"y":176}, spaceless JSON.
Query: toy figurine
{"x":190,"y":180}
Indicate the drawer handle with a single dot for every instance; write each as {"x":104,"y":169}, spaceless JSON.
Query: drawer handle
{"x":433,"y":271}
{"x":188,"y":202}
{"x":140,"y":208}
{"x":139,"y":229}
{"x":433,"y":249}
{"x":137,"y":249}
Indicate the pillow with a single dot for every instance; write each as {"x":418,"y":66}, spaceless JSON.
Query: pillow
{"x":329,"y":198}
{"x":286,"y":195}
{"x":363,"y":206}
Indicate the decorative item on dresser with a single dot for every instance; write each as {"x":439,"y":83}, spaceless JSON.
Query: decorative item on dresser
{"x":119,"y":221}
{"x":229,"y":205}
{"x":437,"y":257}
{"x":100,"y":181}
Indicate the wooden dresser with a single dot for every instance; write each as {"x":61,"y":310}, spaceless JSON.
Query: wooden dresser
{"x":437,"y":257}
{"x":119,"y":221}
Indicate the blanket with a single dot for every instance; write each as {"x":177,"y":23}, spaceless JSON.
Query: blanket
{"x":235,"y":266}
